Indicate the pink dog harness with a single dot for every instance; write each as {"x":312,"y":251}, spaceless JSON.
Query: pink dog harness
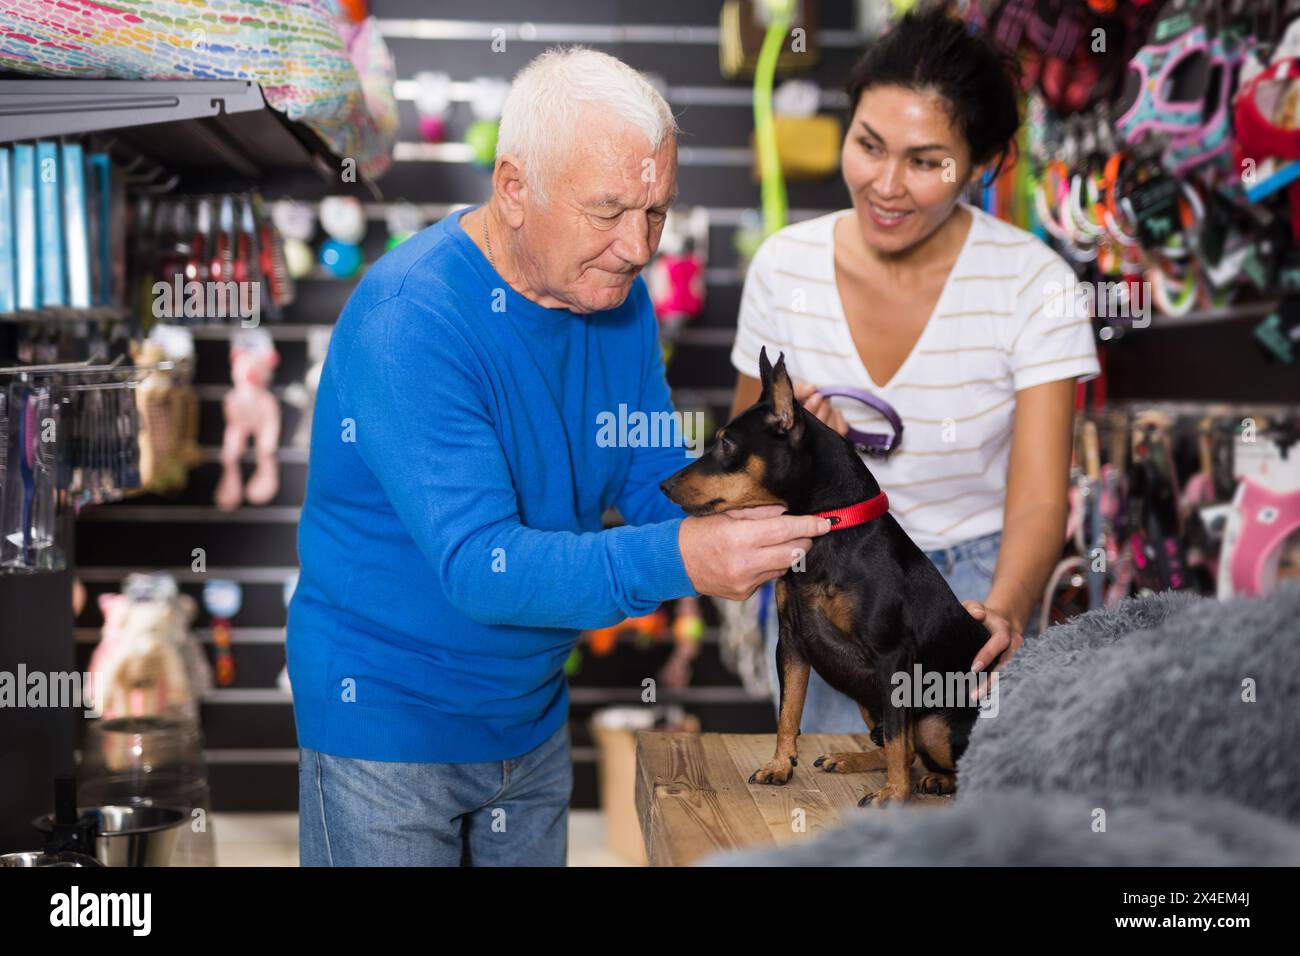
{"x":1213,"y":136}
{"x":1158,"y":105}
{"x":1267,"y":518}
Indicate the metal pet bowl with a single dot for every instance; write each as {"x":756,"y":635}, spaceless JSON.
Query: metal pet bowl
{"x":37,"y":858}
{"x":131,"y":836}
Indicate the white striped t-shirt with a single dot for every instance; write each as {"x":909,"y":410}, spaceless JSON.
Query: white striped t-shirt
{"x":998,"y":327}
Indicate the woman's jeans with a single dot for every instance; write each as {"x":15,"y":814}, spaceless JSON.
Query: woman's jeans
{"x":968,"y":569}
{"x":377,"y":813}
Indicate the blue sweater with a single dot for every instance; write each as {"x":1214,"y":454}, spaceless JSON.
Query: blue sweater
{"x":451,"y":542}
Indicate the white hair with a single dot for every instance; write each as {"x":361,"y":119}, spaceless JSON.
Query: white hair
{"x":549,"y":96}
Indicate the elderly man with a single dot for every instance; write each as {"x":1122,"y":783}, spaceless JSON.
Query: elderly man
{"x":451,"y":541}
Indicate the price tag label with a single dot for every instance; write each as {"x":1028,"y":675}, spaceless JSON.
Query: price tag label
{"x":1261,"y":461}
{"x":1155,"y":204}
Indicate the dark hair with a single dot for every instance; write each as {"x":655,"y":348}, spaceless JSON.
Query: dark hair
{"x":931,"y":50}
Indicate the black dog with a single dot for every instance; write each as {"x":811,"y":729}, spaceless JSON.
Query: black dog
{"x":867,"y":605}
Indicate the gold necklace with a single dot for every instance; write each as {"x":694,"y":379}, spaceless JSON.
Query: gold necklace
{"x":487,"y":240}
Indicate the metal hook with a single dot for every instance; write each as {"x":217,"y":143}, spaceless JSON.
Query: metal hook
{"x":58,"y":367}
{"x":1069,"y":144}
{"x":1105,"y":130}
{"x":146,"y":177}
{"x":1087,"y":139}
{"x":158,"y":189}
{"x":88,"y":368}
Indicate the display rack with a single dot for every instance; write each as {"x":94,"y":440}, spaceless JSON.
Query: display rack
{"x":219,"y":132}
{"x":214,"y":136}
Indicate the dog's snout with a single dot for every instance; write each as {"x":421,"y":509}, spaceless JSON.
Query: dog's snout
{"x":672,"y":485}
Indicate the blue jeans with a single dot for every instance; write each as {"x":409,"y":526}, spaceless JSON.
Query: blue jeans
{"x":377,"y":813}
{"x":968,"y":569}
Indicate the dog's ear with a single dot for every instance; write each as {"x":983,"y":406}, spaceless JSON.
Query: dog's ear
{"x":765,"y":371}
{"x":785,"y":410}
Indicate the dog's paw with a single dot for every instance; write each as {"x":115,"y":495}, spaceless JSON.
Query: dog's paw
{"x":775,"y":772}
{"x":858,"y":762}
{"x":936,"y":783}
{"x":885,"y":795}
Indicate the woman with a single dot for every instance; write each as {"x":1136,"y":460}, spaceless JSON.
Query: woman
{"x":958,"y":320}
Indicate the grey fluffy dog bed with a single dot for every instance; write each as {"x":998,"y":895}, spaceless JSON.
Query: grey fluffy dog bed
{"x":1134,"y":716}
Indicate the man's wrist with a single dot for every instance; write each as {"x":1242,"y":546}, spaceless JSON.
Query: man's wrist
{"x":684,"y":528}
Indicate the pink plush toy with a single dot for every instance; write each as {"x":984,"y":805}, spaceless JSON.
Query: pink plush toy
{"x":138,"y":665}
{"x":251,"y":412}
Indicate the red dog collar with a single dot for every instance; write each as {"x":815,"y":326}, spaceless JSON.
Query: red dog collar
{"x":857,"y":514}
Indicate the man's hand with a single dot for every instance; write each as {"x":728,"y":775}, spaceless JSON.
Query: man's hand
{"x":731,"y":555}
{"x":1003,"y":637}
{"x":820,"y":406}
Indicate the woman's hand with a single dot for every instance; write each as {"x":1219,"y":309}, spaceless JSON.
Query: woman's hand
{"x":1004,"y":639}
{"x":826,"y":413}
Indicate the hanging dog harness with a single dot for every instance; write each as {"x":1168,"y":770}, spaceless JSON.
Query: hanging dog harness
{"x":1213,"y":137}
{"x":1153,"y":76}
{"x":1268,"y":518}
{"x":1259,"y":138}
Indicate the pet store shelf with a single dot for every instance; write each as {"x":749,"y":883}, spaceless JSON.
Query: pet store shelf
{"x":219,"y":132}
{"x":201,"y":514}
{"x":739,"y":97}
{"x":238,"y":635}
{"x":286,"y":455}
{"x":96,"y":314}
{"x":1243,"y":310}
{"x":281,"y":332}
{"x":187,"y":575}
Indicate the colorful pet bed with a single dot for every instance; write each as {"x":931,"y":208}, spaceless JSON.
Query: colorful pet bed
{"x":311,"y":62}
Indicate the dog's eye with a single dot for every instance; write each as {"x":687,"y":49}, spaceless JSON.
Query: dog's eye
{"x":726,"y":446}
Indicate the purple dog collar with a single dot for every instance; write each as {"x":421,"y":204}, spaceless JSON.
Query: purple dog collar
{"x":870,"y":443}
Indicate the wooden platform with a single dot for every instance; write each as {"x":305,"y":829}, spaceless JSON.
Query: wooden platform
{"x":694,"y":799}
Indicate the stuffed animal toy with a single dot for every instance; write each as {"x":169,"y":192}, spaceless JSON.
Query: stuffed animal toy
{"x":160,"y":469}
{"x":296,"y":223}
{"x":252,"y":412}
{"x":433,"y":103}
{"x":169,"y":412}
{"x":139,"y":665}
{"x":487,"y":99}
{"x":676,"y":276}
